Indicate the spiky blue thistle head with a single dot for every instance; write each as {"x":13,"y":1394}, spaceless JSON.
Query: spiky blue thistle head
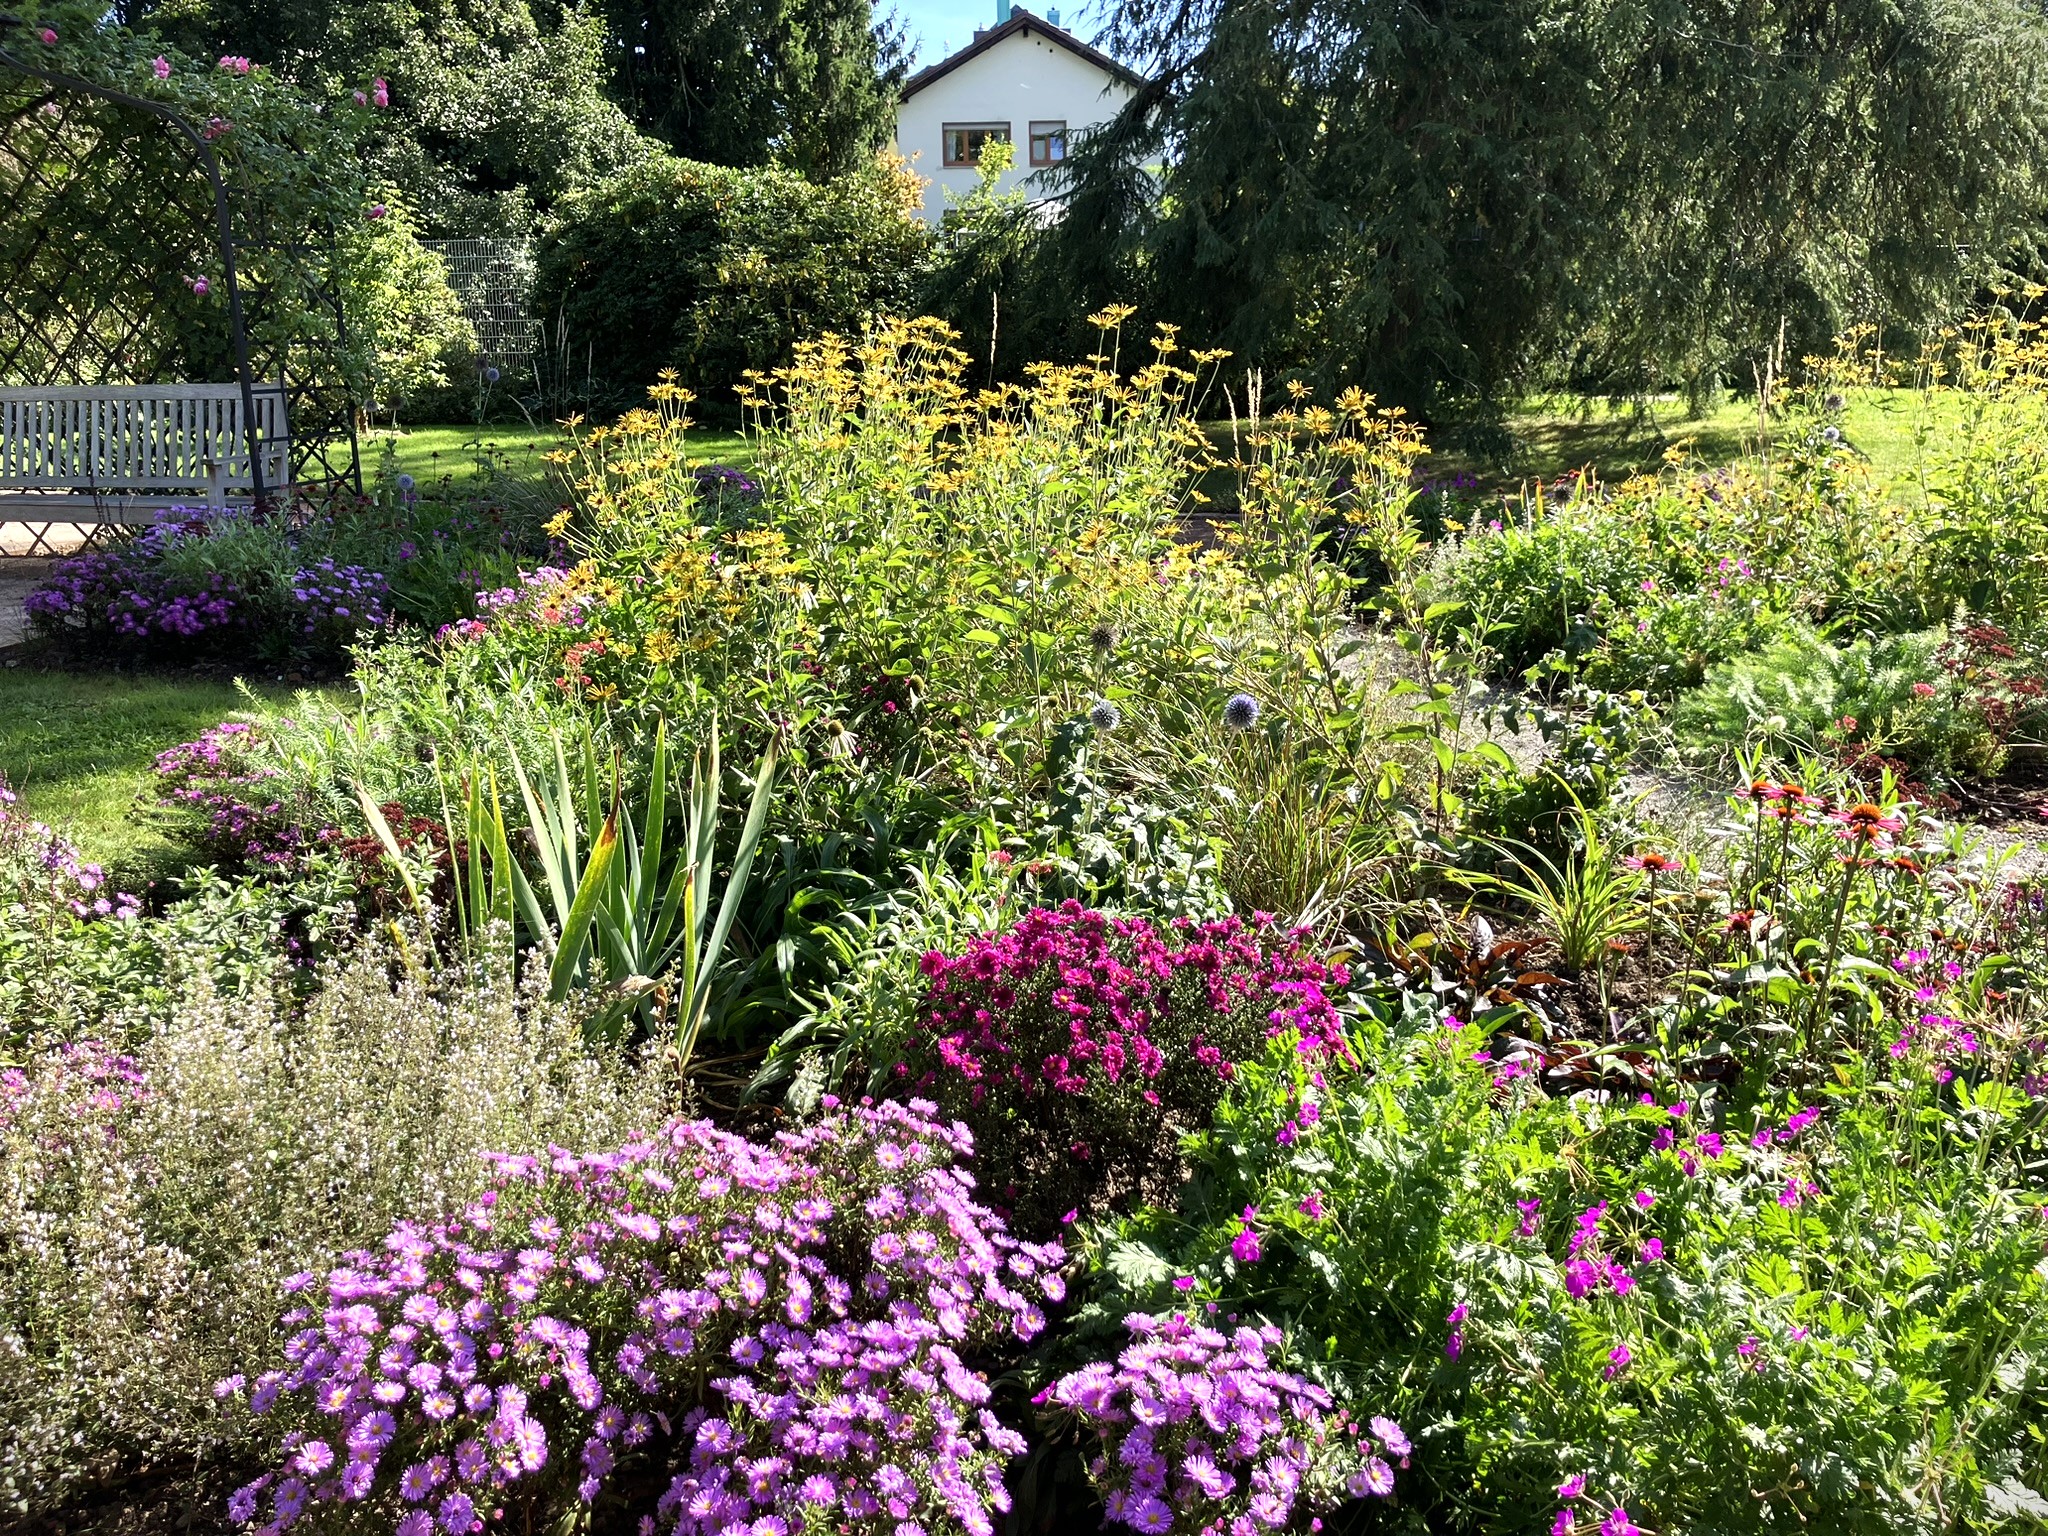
{"x":1105,"y":716}
{"x":1240,"y":712}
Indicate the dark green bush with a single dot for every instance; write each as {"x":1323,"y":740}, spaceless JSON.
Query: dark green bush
{"x":713,"y":271}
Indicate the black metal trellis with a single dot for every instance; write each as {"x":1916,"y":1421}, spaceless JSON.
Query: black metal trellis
{"x":95,"y":181}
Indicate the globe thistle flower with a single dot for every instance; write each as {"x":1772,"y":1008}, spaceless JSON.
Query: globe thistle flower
{"x":1105,"y":716}
{"x":1103,"y":637}
{"x":1832,"y":401}
{"x":1240,"y":712}
{"x":1831,"y":434}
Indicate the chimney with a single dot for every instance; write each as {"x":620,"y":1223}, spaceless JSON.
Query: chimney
{"x":1002,"y":11}
{"x":1053,"y":16}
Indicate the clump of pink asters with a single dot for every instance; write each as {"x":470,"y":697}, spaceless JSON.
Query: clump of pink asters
{"x":779,"y":1334}
{"x":1080,"y":1046}
{"x":1198,"y":1432}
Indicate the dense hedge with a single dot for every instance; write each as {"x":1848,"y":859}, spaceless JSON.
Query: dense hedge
{"x":712,"y":271}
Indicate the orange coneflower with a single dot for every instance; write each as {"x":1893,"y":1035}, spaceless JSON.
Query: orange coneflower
{"x":1867,"y":823}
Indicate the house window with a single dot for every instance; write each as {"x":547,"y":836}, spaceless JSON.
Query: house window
{"x":964,"y":141}
{"x":1048,"y":143}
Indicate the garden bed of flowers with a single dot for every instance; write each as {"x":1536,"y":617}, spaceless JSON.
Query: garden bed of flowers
{"x":898,"y":993}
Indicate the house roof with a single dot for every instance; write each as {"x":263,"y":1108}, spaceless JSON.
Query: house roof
{"x":1020,"y":22}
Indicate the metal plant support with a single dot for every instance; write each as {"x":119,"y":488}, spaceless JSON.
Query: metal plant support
{"x":494,"y":280}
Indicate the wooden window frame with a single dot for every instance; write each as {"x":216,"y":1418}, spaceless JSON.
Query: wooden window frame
{"x":1055,"y":127}
{"x":988,"y":130}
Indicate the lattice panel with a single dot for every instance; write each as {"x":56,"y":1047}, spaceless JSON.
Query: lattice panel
{"x":105,"y":220}
{"x":494,"y":280}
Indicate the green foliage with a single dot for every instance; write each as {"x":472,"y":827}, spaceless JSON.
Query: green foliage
{"x":1866,"y":1351}
{"x":712,"y":272}
{"x":606,"y":904}
{"x":806,"y":84}
{"x":407,"y":303}
{"x":498,"y":108}
{"x":1891,"y":696}
{"x":1604,"y":194}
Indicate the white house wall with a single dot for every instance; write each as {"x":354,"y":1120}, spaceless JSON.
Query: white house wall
{"x":1022,"y":80}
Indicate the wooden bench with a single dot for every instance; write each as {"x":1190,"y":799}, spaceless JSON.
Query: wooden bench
{"x":121,"y":454}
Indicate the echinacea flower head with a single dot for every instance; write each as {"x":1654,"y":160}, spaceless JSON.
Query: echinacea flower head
{"x":1867,"y":823}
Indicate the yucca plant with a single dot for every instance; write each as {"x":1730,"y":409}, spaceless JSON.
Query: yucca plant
{"x":617,"y":902}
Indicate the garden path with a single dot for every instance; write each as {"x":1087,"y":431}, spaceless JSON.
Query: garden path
{"x":15,"y":586}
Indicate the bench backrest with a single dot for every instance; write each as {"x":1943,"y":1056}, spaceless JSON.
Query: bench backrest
{"x":141,"y":437}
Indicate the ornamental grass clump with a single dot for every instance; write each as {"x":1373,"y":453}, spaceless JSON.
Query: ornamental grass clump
{"x":1199,"y":1432}
{"x":1080,"y":1047}
{"x":714,"y":1333}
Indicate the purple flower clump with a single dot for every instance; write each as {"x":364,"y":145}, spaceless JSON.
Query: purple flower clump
{"x":1199,"y":1432}
{"x":233,"y":809}
{"x":41,"y":870}
{"x":782,"y":1335}
{"x":334,"y":604}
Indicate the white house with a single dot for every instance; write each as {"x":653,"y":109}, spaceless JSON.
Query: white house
{"x":1023,"y":80}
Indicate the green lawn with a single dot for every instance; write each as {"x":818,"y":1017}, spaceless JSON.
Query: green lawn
{"x":1557,"y":435}
{"x":79,"y":747}
{"x":461,"y":456}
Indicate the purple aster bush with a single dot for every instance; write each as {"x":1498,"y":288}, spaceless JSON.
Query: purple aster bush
{"x":197,"y":579}
{"x":43,"y":877}
{"x":1197,"y":1431}
{"x":333,"y":606}
{"x":770,"y":1337}
{"x":231,"y":807}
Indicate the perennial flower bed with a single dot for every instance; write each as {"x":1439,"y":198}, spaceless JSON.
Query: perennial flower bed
{"x":1556,"y":1159}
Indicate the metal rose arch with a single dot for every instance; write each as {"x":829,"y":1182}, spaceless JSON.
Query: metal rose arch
{"x":141,"y":366}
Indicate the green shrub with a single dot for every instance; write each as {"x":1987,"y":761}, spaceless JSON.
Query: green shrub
{"x":712,"y":271}
{"x":1942,"y":704}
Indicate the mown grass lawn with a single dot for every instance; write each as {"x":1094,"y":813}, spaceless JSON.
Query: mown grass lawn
{"x":1552,"y":436}
{"x":464,"y":456}
{"x":79,"y":748}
